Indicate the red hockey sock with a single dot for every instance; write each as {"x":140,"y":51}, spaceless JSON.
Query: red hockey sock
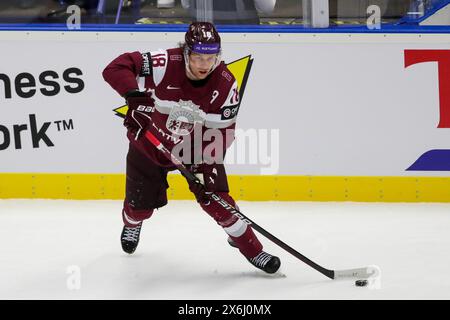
{"x":241,"y":233}
{"x":132,"y":217}
{"x":248,"y":243}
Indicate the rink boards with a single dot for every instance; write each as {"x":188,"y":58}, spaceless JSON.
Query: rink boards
{"x":326,"y":117}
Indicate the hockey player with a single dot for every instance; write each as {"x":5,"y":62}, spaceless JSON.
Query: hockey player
{"x":182,"y":90}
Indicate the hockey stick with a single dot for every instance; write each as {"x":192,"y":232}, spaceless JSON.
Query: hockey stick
{"x":358,"y":273}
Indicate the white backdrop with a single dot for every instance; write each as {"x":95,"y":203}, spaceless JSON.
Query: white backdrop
{"x":337,"y":104}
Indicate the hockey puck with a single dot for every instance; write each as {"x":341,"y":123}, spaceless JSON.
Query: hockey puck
{"x":361,"y":283}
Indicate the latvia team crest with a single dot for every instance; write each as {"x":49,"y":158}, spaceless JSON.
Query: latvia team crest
{"x":182,"y":118}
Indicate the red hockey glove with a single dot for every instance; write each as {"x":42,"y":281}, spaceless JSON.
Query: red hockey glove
{"x":206,"y":175}
{"x":137,"y":124}
{"x":199,"y":191}
{"x":140,"y":106}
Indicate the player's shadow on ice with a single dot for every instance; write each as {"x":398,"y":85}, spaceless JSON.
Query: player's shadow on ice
{"x":162,"y":265}
{"x":249,"y":274}
{"x":157,"y":274}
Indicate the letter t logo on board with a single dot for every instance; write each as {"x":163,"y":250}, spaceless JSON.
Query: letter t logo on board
{"x":442,"y":57}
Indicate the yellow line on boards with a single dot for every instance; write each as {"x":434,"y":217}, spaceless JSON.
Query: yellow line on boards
{"x":243,"y":187}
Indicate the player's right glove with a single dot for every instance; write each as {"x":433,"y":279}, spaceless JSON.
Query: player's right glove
{"x":140,"y":106}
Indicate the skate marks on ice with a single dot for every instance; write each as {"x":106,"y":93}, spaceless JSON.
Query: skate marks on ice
{"x":174,"y":261}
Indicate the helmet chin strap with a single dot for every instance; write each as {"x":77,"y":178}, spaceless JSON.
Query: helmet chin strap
{"x":189,"y":72}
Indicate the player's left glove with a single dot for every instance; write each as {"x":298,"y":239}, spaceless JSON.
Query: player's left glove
{"x":205,"y":175}
{"x":199,"y":190}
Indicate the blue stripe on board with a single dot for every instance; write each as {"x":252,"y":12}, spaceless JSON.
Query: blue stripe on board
{"x":433,"y":160}
{"x":386,"y":28}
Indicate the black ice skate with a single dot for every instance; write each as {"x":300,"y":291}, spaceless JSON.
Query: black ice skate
{"x":264,"y":261}
{"x":130,"y":238}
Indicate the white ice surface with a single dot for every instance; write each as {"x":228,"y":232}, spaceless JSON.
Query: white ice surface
{"x":183,"y":254}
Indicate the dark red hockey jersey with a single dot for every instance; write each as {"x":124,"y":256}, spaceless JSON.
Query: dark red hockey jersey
{"x":185,"y":110}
